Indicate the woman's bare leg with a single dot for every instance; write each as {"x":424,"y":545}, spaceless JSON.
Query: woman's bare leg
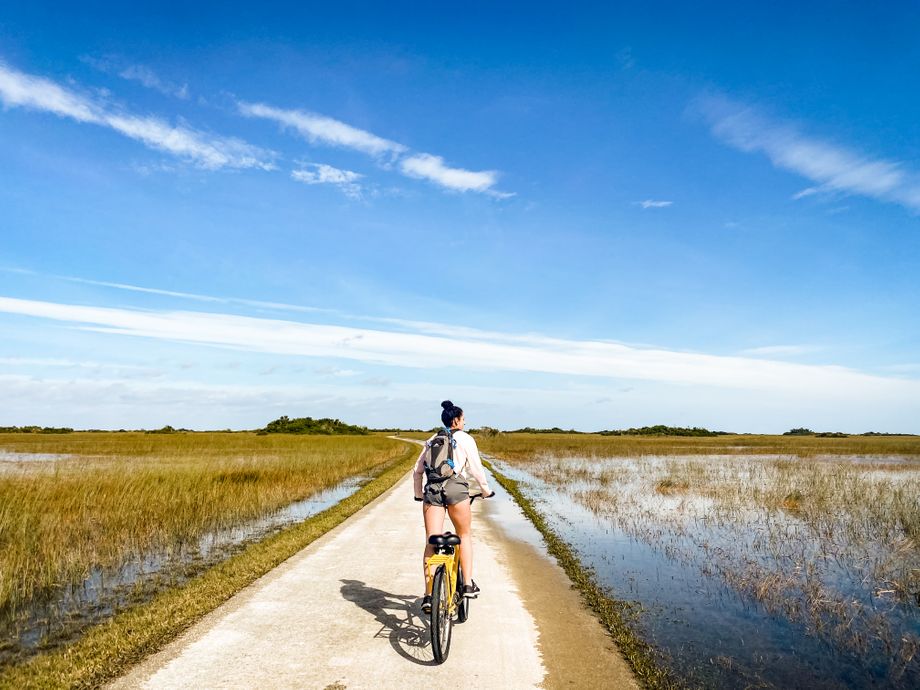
{"x":434,"y":524}
{"x":461,"y":516}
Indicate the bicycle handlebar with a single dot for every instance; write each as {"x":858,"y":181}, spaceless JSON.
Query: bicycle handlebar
{"x":473,"y":497}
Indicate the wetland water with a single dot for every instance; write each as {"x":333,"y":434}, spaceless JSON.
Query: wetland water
{"x":64,"y":613}
{"x":751,"y":571}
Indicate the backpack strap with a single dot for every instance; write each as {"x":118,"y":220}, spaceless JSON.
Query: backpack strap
{"x":450,"y":448}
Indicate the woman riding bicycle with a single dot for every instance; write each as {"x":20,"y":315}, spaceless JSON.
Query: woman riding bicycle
{"x":451,"y":495}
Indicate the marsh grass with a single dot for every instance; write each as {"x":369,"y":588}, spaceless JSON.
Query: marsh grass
{"x":123,"y":495}
{"x":615,"y":615}
{"x":528,"y":447}
{"x":829,"y":542}
{"x":108,"y":649}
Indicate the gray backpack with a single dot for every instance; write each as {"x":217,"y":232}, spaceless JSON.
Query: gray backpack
{"x":439,"y":463}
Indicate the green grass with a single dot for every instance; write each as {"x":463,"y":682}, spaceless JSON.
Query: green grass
{"x":527,"y":447}
{"x":127,"y":494}
{"x":109,"y":649}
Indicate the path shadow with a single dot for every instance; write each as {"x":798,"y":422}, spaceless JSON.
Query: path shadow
{"x":399,"y":616}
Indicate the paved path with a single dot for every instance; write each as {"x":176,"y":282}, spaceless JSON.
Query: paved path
{"x":344,"y":612}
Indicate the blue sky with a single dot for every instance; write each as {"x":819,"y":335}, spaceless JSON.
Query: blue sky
{"x":707,"y":215}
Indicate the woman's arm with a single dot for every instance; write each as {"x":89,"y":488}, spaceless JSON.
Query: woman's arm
{"x":474,"y":462}
{"x":417,"y":474}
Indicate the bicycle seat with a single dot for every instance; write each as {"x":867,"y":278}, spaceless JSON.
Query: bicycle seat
{"x":446,"y":539}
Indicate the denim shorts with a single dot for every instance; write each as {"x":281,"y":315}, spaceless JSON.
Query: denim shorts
{"x":451,"y":491}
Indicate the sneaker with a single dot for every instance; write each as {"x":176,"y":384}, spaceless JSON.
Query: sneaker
{"x":426,"y":604}
{"x":471,"y":591}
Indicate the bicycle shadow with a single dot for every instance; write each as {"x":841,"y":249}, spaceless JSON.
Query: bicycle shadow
{"x":408,"y":632}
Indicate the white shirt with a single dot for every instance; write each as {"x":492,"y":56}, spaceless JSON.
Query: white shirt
{"x":466,"y":459}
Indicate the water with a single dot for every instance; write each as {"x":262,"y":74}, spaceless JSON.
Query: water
{"x":14,"y":456}
{"x":68,"y":611}
{"x":705,"y":623}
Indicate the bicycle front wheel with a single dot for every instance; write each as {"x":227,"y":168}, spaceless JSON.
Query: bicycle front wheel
{"x":440,"y":615}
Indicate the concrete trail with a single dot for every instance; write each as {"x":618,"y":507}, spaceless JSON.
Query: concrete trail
{"x":344,"y":612}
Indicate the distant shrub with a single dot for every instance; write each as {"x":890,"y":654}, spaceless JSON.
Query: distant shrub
{"x":35,"y":430}
{"x":800,"y":431}
{"x":308,"y":425}
{"x":663,"y":430}
{"x":832,"y":434}
{"x":884,"y":433}
{"x":163,"y":430}
{"x":487,"y":432}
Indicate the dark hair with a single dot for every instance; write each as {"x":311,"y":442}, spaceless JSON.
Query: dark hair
{"x":450,"y":413}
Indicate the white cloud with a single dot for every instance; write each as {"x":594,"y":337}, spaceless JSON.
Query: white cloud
{"x":320,"y":129}
{"x":831,"y":166}
{"x":335,"y":371}
{"x":432,"y":168}
{"x":20,"y":90}
{"x":139,"y":73}
{"x":151,"y":80}
{"x":807,"y":192}
{"x":320,"y":173}
{"x":130,"y":403}
{"x":258,"y":304}
{"x":492,"y":352}
{"x":325,"y":130}
{"x":652,"y":203}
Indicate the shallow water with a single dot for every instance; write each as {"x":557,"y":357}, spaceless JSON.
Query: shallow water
{"x":670,"y":554}
{"x":15,"y":456}
{"x":68,"y":611}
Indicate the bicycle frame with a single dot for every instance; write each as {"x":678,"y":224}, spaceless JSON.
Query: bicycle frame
{"x":450,"y":559}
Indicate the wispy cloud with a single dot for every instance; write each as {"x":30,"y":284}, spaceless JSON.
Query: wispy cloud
{"x":583,"y":358}
{"x":807,"y":192}
{"x":320,"y":173}
{"x":831,"y":166}
{"x":319,"y":129}
{"x":21,"y":90}
{"x":432,"y":168}
{"x":149,"y":78}
{"x":323,"y":130}
{"x":139,"y":73}
{"x":196,"y":297}
{"x":335,"y":371}
{"x":653,"y":203}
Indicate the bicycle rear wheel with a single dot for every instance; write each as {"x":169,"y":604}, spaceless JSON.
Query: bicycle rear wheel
{"x":440,"y":616}
{"x":463,"y":605}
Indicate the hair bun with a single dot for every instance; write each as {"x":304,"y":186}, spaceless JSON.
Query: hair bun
{"x":447,"y":404}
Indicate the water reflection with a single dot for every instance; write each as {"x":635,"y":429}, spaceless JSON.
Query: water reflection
{"x":68,"y":611}
{"x":691,"y":567}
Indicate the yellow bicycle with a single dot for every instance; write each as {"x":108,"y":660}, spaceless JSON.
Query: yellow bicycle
{"x":444,"y":578}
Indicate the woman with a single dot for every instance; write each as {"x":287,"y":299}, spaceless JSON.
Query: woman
{"x":452,"y":496}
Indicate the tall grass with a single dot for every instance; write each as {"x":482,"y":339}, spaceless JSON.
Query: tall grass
{"x":105,"y":651}
{"x":125,"y":494}
{"x":526,"y":447}
{"x":831,"y":543}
